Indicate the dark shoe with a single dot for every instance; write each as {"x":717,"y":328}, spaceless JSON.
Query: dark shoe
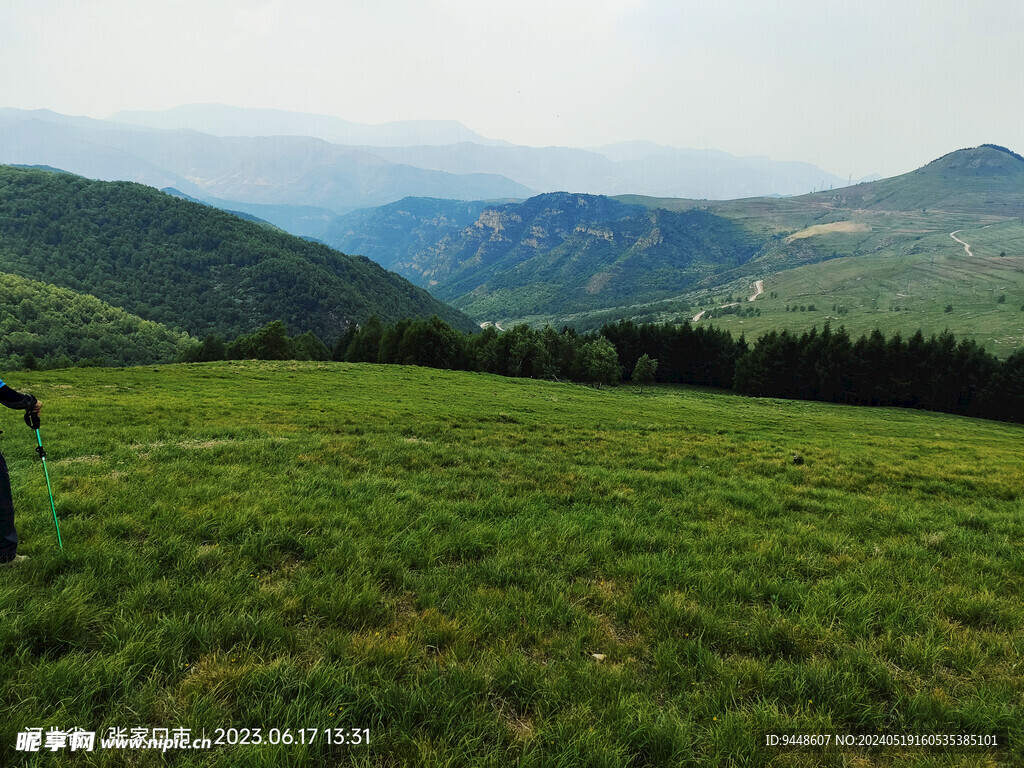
{"x":15,"y":559}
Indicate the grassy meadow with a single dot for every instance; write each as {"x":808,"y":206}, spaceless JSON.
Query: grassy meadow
{"x":901,"y":289}
{"x":886,"y":277}
{"x":869,"y":256}
{"x":490,"y":572}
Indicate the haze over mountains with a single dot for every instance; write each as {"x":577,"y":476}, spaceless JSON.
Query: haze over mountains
{"x":265,"y":157}
{"x":223,"y":120}
{"x":287,"y":170}
{"x":511,"y":233}
{"x":640,"y":168}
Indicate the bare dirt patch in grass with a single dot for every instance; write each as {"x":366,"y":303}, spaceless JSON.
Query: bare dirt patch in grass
{"x":91,"y":459}
{"x":845,"y":227}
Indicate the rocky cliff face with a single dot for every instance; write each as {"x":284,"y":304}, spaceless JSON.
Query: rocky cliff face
{"x":554,"y":252}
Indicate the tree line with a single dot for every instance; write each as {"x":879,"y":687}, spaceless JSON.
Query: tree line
{"x":937,"y":373}
{"x":432,"y":343}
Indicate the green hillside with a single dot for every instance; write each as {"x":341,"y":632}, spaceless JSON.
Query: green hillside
{"x":188,"y":266}
{"x":491,"y":572}
{"x":858,"y":253}
{"x":876,"y":255}
{"x":930,"y":285}
{"x":986,"y":180}
{"x":56,"y":327}
{"x":982,"y":181}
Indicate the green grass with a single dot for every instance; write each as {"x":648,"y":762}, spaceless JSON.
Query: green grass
{"x":438,"y":556}
{"x":903,"y":289}
{"x":898,"y":272}
{"x":899,"y":275}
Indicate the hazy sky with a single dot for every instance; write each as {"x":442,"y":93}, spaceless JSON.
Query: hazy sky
{"x":855,"y":87}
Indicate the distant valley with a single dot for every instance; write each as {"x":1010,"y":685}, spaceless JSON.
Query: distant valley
{"x":552,"y":254}
{"x":584,"y":236}
{"x":876,"y":254}
{"x":880,"y":255}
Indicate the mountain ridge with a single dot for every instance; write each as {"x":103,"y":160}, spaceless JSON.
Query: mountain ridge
{"x":289,"y":170}
{"x":987,"y":179}
{"x":189,"y":266}
{"x":556,"y":252}
{"x":227,"y":120}
{"x":345,"y":177}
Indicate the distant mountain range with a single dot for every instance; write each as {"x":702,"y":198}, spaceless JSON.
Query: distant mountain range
{"x":516,"y":233}
{"x":641,"y":168}
{"x":942,"y":244}
{"x":262,"y":170}
{"x":239,"y":158}
{"x":223,"y":120}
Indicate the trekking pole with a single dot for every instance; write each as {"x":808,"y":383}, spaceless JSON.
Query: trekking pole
{"x":32,"y":420}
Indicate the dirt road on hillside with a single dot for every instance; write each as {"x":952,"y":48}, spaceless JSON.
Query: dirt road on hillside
{"x":701,"y":314}
{"x":965,"y":245}
{"x":758,"y":290}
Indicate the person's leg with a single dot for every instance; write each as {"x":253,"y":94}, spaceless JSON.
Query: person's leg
{"x":8,"y":533}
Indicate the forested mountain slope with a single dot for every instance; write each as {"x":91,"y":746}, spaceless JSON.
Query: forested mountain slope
{"x":56,"y":327}
{"x":553,"y":253}
{"x":191,"y":267}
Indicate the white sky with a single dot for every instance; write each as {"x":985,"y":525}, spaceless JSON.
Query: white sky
{"x":853,"y":86}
